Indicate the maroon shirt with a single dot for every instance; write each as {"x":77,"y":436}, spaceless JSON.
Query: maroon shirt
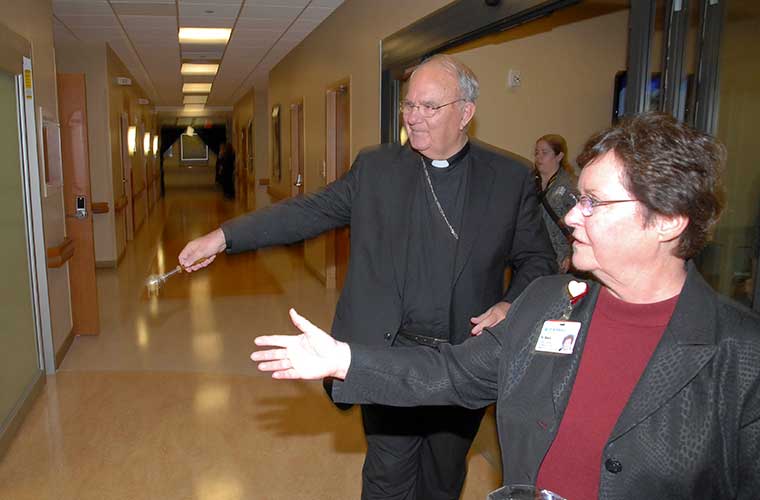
{"x":620,"y":341}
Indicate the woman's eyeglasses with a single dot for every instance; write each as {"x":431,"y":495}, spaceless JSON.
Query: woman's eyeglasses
{"x":588,"y":203}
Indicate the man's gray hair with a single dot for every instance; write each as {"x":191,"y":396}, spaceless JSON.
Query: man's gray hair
{"x":469,"y":88}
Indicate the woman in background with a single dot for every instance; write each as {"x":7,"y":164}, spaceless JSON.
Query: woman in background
{"x":219,"y":164}
{"x":556,"y":185}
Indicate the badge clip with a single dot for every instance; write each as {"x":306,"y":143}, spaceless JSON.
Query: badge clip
{"x":576,"y":290}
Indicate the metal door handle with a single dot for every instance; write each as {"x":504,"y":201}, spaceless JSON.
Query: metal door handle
{"x":81,"y":208}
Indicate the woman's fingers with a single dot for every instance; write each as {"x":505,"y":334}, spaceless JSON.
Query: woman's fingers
{"x":289,"y":374}
{"x":301,"y":323}
{"x":269,"y":355}
{"x":275,"y":366}
{"x":274,"y":341}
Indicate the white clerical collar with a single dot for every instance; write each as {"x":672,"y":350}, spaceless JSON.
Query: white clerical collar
{"x":446,"y":162}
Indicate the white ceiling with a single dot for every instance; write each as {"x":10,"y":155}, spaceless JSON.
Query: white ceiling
{"x":144,"y":35}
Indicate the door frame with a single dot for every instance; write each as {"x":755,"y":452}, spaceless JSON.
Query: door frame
{"x":72,"y":92}
{"x":16,"y":58}
{"x":334,"y":143}
{"x":297,"y":133}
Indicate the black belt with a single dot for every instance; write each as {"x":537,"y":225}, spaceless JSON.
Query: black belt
{"x":423,"y":339}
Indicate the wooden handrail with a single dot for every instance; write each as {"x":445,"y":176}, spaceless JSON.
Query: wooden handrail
{"x":100,"y":207}
{"x":58,"y":256}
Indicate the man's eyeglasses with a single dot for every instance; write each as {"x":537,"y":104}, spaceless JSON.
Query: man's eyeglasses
{"x":427,"y":110}
{"x":588,"y":203}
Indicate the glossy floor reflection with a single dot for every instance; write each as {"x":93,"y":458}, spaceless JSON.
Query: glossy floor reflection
{"x":165,"y":403}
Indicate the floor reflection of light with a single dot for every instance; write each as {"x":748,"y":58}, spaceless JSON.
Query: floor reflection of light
{"x":208,"y":347}
{"x":143,"y":338}
{"x":216,"y":487}
{"x":211,"y":397}
{"x":160,"y":259}
{"x":201,"y":307}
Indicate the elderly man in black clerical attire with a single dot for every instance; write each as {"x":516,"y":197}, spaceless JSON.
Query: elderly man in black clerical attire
{"x":434,"y":224}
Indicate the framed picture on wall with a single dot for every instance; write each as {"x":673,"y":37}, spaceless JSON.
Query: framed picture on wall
{"x":276,"y":153}
{"x":192,"y":148}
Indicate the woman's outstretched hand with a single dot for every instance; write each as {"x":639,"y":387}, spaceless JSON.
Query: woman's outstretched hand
{"x":312,"y":355}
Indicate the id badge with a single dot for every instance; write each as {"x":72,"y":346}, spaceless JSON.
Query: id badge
{"x":558,"y":337}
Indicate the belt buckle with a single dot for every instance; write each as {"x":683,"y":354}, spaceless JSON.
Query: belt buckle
{"x":428,"y":341}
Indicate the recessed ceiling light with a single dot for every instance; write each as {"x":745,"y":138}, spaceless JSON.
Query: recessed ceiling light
{"x":204,"y":35}
{"x":199,"y":69}
{"x":195,"y":99}
{"x":196,"y":88}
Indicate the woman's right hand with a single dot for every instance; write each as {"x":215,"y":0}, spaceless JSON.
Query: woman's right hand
{"x":312,"y":355}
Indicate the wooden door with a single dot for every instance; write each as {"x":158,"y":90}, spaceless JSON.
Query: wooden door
{"x":296,"y":149}
{"x":241,"y":168}
{"x":77,"y":202}
{"x":337,"y":163}
{"x":251,"y":185}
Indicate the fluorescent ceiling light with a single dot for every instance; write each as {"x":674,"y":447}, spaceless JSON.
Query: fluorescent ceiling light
{"x":199,"y":69}
{"x":204,"y":35}
{"x":194,"y":107}
{"x":195,"y":99}
{"x":196,"y":88}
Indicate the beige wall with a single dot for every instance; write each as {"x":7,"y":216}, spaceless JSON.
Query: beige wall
{"x":33,"y":20}
{"x":567,"y":75}
{"x":90,"y":59}
{"x":345,"y":46}
{"x":253,"y":106}
{"x":123,"y":99}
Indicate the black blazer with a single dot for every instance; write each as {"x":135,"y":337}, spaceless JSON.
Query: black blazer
{"x":501,"y":226}
{"x":690,"y":430}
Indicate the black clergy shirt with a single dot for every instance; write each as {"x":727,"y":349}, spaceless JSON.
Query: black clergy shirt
{"x":432,"y":248}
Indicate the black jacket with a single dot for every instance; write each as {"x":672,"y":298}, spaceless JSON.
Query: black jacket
{"x":501,"y":226}
{"x":690,"y":429}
